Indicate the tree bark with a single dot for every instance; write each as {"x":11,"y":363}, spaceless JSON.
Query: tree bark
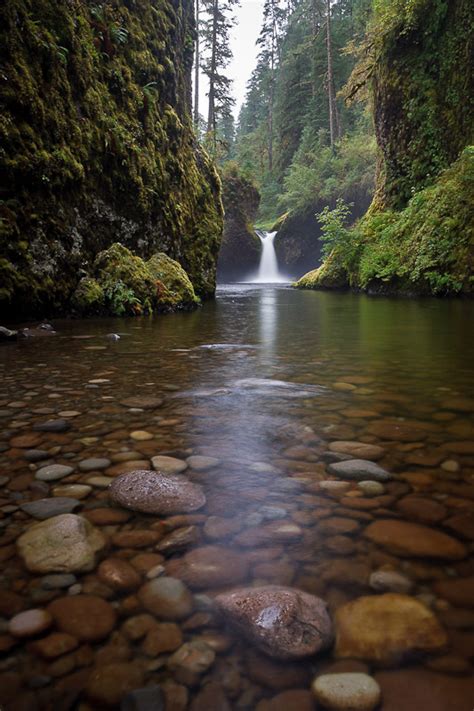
{"x":196,"y":69}
{"x":333,"y":117}
{"x":211,"y":116}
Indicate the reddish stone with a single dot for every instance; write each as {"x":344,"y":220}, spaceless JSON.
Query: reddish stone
{"x":87,"y":617}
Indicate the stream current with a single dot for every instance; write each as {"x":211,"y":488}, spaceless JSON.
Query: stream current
{"x":268,"y":382}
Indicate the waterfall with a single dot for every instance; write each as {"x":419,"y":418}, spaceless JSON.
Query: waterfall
{"x":268,"y":272}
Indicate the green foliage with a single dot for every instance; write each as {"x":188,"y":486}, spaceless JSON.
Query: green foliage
{"x":334,"y":231}
{"x":179,"y":290}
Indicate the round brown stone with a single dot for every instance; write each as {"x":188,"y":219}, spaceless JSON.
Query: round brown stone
{"x":109,"y":683}
{"x":413,"y":539}
{"x":422,"y":509}
{"x":210,"y":566}
{"x":54,"y":645}
{"x":358,"y":450}
{"x":106,"y":516}
{"x":156,"y":493}
{"x":136,"y":539}
{"x":167,"y":598}
{"x":118,"y":574}
{"x":87,"y":617}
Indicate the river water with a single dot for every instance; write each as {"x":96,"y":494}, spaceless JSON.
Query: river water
{"x":267,"y":381}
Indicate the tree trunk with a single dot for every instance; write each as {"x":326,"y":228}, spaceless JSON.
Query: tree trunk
{"x":196,"y":70}
{"x":333,"y":117}
{"x":211,"y":116}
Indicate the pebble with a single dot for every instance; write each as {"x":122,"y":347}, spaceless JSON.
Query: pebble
{"x":168,"y":465}
{"x":30,"y":623}
{"x":210,"y":566}
{"x":94,"y":464}
{"x":87,"y":617}
{"x":53,"y":472}
{"x":55,"y":645}
{"x":46,"y":508}
{"x":413,"y":539}
{"x":100,"y":482}
{"x":359,"y":450}
{"x":359,"y":469}
{"x":109,"y":683}
{"x":166,"y":597}
{"x":150,"y":698}
{"x":143,"y":402}
{"x":390,"y":581}
{"x":346,"y":692}
{"x":141,"y":435}
{"x":75,"y":491}
{"x":201,"y":464}
{"x":57,"y":581}
{"x":118,"y":574}
{"x":62,"y":544}
{"x":155,"y":492}
{"x":60,"y":425}
{"x":192,"y":659}
{"x":371,"y":488}
{"x":36,"y":455}
{"x":178,"y":539}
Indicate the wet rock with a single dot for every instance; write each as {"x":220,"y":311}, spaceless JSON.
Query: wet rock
{"x":167,"y":598}
{"x":201,"y":464}
{"x":176,"y":695}
{"x":156,"y":493}
{"x":87,"y":617}
{"x":386,"y":628}
{"x":415,"y":689}
{"x":217,"y":527}
{"x":36,"y":455}
{"x":285,"y":623}
{"x":58,"y":581}
{"x":47,"y":508}
{"x":276,"y":531}
{"x":94,"y":464}
{"x":210,"y":566}
{"x":190,"y":661}
{"x":109,"y":684}
{"x":390,"y":581}
{"x":55,"y":645}
{"x":211,"y":696}
{"x":150,"y":698}
{"x":371,"y":488}
{"x":413,"y":539}
{"x":359,"y":450}
{"x":113,"y":337}
{"x":7,"y":335}
{"x":25,"y":441}
{"x":141,"y":435}
{"x":422,"y":509}
{"x":179,"y":539}
{"x":359,"y":469}
{"x":136,"y":538}
{"x":63,"y":544}
{"x":106,"y":516}
{"x":118,"y":574}
{"x":275,"y":674}
{"x":462,"y":524}
{"x":294,"y":699}
{"x":344,"y":692}
{"x":458,"y":591}
{"x":335,"y":525}
{"x":398,"y":431}
{"x":53,"y":472}
{"x":60,"y":425}
{"x":143,"y":402}
{"x":165,"y":637}
{"x":168,"y":465}
{"x":30,"y":623}
{"x":75,"y":491}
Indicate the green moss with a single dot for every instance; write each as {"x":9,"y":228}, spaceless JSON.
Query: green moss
{"x":180,"y":291}
{"x":330,"y":275}
{"x":88,"y":297}
{"x":88,"y":154}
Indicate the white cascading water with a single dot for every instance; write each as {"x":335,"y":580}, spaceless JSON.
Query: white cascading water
{"x":268,"y":272}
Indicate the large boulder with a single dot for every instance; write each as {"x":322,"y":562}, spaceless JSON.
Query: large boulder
{"x":179,"y":290}
{"x":285,"y":623}
{"x":156,"y":493}
{"x":62,"y":544}
{"x":386,"y":628}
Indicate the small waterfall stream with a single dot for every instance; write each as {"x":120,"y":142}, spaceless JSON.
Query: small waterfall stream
{"x":268,"y":272}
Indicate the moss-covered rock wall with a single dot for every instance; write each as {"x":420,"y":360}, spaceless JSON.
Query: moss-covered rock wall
{"x":418,"y":235}
{"x":241,"y":248}
{"x":96,"y":146}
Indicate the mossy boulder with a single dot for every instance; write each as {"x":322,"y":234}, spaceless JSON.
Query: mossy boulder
{"x":330,"y":275}
{"x":88,"y":297}
{"x":97,"y":145}
{"x":180,"y":292}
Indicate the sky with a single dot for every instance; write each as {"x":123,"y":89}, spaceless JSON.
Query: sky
{"x":244,"y":37}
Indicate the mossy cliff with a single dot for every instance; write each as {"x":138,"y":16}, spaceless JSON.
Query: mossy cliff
{"x":241,"y":248}
{"x":97,"y":147}
{"x":418,"y":235}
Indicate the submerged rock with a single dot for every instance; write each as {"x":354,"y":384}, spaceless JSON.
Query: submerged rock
{"x":47,"y":508}
{"x":349,"y":691}
{"x":413,"y":539}
{"x":386,"y":628}
{"x":62,"y":544}
{"x":285,"y":623}
{"x":359,"y":450}
{"x":7,"y":335}
{"x":156,"y":493}
{"x":210,"y":566}
{"x":359,"y":469}
{"x":86,"y":617}
{"x":167,"y":598}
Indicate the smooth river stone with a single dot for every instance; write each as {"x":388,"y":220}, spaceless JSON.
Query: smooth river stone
{"x":53,"y":472}
{"x":168,"y":465}
{"x":156,"y":493}
{"x":398,"y":431}
{"x":386,"y":628}
{"x":200,"y":464}
{"x":94,"y":464}
{"x":285,"y":623}
{"x":167,"y":598}
{"x":359,"y":469}
{"x":30,"y":623}
{"x":118,"y":574}
{"x":87,"y":617}
{"x":349,"y":691}
{"x":62,"y":544}
{"x":210,"y":566}
{"x":390,"y":581}
{"x":360,"y":450}
{"x":413,"y":539}
{"x":53,"y":426}
{"x":143,"y":402}
{"x":459,"y":591}
{"x":47,"y":508}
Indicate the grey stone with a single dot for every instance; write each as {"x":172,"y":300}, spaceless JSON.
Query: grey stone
{"x":36,"y":455}
{"x":156,"y":493}
{"x":150,"y":698}
{"x":52,"y":426}
{"x":94,"y":464}
{"x":359,"y":469}
{"x":58,"y":581}
{"x":53,"y":472}
{"x":46,"y":508}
